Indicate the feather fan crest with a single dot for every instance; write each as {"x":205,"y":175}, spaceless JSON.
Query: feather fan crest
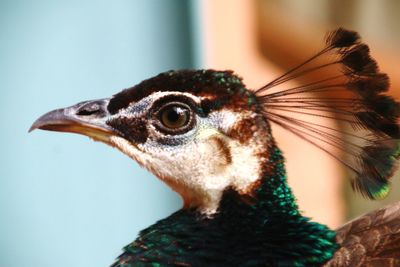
{"x":353,"y":94}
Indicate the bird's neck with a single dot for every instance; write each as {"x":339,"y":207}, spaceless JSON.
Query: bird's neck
{"x":261,"y":230}
{"x":273,"y":214}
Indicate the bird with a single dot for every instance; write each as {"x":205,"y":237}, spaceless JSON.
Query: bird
{"x":209,"y":138}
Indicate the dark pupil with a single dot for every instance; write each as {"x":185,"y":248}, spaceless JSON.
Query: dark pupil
{"x":175,"y":117}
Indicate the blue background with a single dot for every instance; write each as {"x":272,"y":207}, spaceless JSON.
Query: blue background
{"x":65,"y":200}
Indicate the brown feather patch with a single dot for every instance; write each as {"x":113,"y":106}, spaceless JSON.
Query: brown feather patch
{"x":371,"y":240}
{"x":223,"y":150}
{"x":243,"y":130}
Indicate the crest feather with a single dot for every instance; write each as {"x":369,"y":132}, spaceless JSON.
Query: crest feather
{"x":354,"y":94}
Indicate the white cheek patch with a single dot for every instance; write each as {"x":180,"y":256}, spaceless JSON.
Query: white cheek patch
{"x":204,"y":166}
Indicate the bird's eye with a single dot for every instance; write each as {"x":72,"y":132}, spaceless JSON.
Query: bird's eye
{"x":174,"y":118}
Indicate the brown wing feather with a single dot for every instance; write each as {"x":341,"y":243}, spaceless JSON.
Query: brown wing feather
{"x":370,"y":240}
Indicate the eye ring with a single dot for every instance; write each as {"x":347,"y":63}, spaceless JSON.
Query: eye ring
{"x":174,"y":118}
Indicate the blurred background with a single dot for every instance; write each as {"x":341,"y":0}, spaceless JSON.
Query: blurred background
{"x":67,"y":201}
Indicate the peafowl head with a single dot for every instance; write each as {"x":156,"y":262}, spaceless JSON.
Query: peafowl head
{"x":199,"y":131}
{"x":203,"y":132}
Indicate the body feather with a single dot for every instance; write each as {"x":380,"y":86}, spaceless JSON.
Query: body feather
{"x":370,"y":240}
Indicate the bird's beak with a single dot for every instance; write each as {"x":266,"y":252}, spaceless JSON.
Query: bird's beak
{"x":87,"y":118}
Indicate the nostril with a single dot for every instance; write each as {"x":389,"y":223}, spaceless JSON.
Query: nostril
{"x":89,"y":109}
